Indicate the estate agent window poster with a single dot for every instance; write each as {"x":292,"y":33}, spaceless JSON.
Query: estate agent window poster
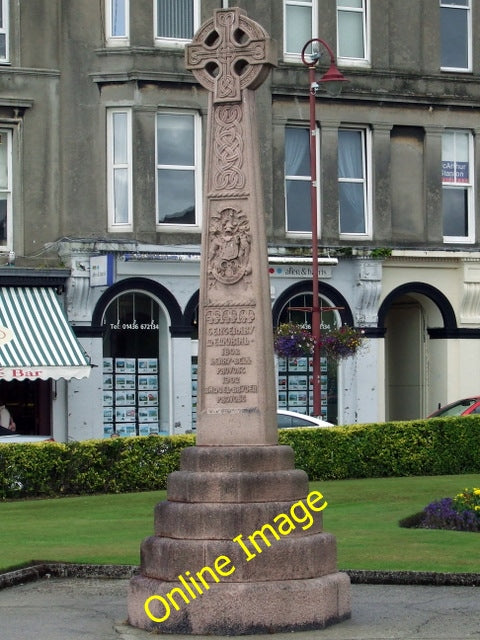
{"x":148,"y":382}
{"x":146,"y":398}
{"x":194,"y":390}
{"x":130,"y":396}
{"x":147,"y":365}
{"x":148,"y":414}
{"x":125,"y":398}
{"x":295,"y":385}
{"x":125,"y":365}
{"x":125,"y":382}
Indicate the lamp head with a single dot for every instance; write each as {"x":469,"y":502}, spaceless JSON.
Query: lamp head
{"x":333,"y":80}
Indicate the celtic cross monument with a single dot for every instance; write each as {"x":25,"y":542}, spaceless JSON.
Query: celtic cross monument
{"x":216,"y":564}
{"x":230,"y":56}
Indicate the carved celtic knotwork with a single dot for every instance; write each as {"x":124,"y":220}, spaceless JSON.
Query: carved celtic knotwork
{"x":229,"y":246}
{"x":227,"y":172}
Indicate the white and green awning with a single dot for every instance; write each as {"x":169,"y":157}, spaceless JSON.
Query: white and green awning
{"x":36,"y":340}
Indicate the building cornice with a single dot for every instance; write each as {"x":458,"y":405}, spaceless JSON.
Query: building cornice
{"x":25,"y":277}
{"x":425,"y":255}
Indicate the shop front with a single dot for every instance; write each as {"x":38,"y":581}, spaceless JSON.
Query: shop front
{"x":148,"y":362}
{"x":38,"y":350}
{"x":138,"y":317}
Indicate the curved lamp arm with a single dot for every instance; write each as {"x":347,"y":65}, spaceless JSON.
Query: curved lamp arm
{"x":332,"y":79}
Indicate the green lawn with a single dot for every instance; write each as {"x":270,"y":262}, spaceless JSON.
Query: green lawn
{"x":363,"y":515}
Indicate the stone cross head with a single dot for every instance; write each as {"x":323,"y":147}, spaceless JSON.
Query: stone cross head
{"x":229,"y":53}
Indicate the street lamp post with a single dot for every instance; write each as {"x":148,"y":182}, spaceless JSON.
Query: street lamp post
{"x":332,"y":81}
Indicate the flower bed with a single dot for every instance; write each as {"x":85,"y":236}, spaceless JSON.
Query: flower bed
{"x":461,"y":513}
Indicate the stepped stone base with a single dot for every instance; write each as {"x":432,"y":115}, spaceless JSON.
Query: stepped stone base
{"x":246,"y":608}
{"x":285,"y":580}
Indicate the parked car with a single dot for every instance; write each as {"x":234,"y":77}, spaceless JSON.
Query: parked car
{"x":465,"y":407}
{"x":292,"y":420}
{"x":20,"y":437}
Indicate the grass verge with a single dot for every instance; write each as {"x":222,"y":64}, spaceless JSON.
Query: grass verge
{"x":363,"y":515}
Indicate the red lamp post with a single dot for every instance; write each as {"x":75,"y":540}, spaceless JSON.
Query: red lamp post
{"x":332,"y":81}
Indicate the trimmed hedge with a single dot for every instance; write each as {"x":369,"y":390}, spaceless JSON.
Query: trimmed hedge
{"x":92,"y":466}
{"x":440,"y":446}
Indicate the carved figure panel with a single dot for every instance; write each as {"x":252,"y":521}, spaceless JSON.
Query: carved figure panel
{"x":229,"y":246}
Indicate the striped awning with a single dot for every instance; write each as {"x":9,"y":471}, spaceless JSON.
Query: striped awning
{"x":36,"y":341}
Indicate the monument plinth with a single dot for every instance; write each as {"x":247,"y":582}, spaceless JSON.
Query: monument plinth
{"x":234,"y":550}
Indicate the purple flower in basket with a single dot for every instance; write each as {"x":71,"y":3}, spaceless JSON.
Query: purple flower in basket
{"x":341,"y":343}
{"x":293,"y":341}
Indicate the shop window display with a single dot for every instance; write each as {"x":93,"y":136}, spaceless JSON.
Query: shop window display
{"x":131,"y":367}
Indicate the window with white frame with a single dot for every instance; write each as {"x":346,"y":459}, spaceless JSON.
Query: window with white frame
{"x":299,"y":21}
{"x":457,"y":186}
{"x":117,"y":22}
{"x":352,"y":31}
{"x":178,"y":151}
{"x":353,"y":188}
{"x":176,"y":21}
{"x":298,"y":209}
{"x":456,"y":35}
{"x":4,"y":32}
{"x":6,"y":189}
{"x":119,"y":140}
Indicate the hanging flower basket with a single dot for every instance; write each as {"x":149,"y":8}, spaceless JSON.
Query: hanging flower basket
{"x":293,"y":341}
{"x":341,"y":343}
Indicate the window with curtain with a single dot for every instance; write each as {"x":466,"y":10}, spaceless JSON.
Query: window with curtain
{"x":4,"y":32}
{"x":298,"y":181}
{"x":299,"y":25}
{"x":176,"y":20}
{"x":352,"y":182}
{"x":457,"y":186}
{"x":117,"y":21}
{"x":119,"y":140}
{"x":6,"y":189}
{"x":456,"y":35}
{"x":178,"y":169}
{"x":352,"y":32}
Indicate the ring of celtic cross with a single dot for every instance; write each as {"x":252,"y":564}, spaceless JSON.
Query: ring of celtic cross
{"x":230,"y":53}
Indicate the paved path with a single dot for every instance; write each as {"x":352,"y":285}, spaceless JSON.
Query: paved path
{"x":95,"y":609}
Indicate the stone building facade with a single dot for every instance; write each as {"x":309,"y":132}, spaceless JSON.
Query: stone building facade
{"x":101,"y":152}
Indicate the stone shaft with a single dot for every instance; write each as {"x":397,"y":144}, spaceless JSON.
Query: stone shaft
{"x":236,"y":399}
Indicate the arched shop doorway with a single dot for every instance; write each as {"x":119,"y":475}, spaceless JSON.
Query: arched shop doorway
{"x":294,"y":375}
{"x":415,"y":370}
{"x":136,"y":380}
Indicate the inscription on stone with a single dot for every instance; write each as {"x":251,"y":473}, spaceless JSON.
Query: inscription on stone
{"x":230,"y":335}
